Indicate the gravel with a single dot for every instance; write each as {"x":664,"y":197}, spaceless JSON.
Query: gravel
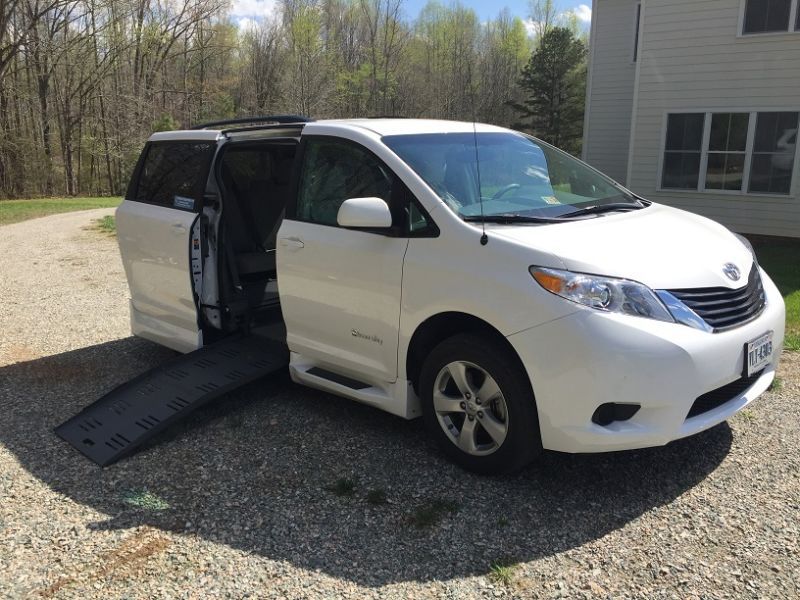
{"x":279,"y":491}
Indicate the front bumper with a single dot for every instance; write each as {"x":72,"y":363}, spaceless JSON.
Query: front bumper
{"x":589,"y":358}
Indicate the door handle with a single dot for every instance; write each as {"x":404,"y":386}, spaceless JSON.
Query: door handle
{"x":292,"y":242}
{"x":178,"y":229}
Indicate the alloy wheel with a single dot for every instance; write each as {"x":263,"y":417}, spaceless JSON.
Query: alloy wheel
{"x":470,"y":408}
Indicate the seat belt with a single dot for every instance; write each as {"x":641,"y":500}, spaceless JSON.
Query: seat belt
{"x":230,"y":258}
{"x":234,"y":270}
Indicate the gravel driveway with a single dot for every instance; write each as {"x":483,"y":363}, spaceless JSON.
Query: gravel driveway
{"x":283,"y":492}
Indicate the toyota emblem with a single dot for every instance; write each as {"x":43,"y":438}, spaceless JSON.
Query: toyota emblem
{"x":732,"y":271}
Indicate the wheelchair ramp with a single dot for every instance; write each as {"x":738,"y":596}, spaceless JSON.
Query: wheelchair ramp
{"x":136,"y":411}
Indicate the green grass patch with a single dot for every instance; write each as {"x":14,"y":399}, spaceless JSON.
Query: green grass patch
{"x":14,"y":211}
{"x":106,"y":225}
{"x":780,"y":258}
{"x":430,"y":513}
{"x":145,"y":500}
{"x":502,"y":571}
{"x":343,"y":487}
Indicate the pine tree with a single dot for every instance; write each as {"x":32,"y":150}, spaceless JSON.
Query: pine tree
{"x":553,"y":85}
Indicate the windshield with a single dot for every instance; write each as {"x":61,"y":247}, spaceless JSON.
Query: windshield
{"x":519,"y":176}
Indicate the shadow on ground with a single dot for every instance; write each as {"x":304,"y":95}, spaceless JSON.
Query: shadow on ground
{"x":254,"y":471}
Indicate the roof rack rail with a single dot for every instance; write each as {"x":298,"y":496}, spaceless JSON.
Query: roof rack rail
{"x":280,"y":119}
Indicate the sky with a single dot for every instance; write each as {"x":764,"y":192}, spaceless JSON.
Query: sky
{"x":245,"y":12}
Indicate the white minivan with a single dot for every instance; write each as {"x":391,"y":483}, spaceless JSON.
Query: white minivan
{"x":511,"y":295}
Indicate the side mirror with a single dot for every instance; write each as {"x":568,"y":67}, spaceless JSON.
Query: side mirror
{"x":364,"y":213}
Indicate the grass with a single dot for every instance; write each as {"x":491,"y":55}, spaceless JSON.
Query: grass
{"x":14,"y":211}
{"x":502,"y":571}
{"x":345,"y":488}
{"x":145,"y":500}
{"x":430,"y":513}
{"x":780,"y":257}
{"x":106,"y":225}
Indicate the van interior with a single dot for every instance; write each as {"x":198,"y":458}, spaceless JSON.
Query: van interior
{"x":254,"y":178}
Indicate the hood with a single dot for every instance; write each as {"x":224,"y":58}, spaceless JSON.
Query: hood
{"x":659,"y":246}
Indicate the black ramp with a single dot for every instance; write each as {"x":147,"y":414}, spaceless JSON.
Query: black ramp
{"x":136,"y":411}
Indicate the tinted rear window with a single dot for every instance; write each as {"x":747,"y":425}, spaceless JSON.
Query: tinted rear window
{"x":174,"y":174}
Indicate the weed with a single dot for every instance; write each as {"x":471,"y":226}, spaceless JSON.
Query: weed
{"x":343,"y":487}
{"x":432,"y":512}
{"x":106,"y":225}
{"x":502,"y":571}
{"x":376,"y":497}
{"x":145,"y":500}
{"x":776,"y":385}
{"x":747,"y":415}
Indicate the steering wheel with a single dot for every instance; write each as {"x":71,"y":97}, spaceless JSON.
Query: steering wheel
{"x":504,"y":190}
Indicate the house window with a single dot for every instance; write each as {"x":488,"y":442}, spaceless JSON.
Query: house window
{"x":727,"y":146}
{"x":636,"y":32}
{"x":683,"y":151}
{"x":733,"y":152}
{"x":773,"y":152}
{"x":769,"y":16}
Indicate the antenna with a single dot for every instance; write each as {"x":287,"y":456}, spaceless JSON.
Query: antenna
{"x":484,"y":237}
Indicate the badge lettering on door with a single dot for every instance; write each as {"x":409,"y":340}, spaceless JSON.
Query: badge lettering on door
{"x":364,"y":336}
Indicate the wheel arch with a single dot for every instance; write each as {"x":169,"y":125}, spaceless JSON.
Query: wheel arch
{"x":439,"y":327}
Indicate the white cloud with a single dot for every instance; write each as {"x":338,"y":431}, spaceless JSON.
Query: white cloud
{"x":583,"y":12}
{"x":248,"y":14}
{"x":247,"y":24}
{"x":530,"y":26}
{"x":254,"y":8}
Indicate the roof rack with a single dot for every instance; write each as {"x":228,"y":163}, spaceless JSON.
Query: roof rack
{"x":279,"y":119}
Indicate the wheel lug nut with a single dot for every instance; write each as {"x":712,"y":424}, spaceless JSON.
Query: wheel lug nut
{"x":480,"y":414}
{"x":477,"y":400}
{"x":463,"y":405}
{"x":468,"y":395}
{"x":471,"y":418}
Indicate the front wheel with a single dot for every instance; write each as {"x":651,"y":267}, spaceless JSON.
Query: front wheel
{"x":478,"y":404}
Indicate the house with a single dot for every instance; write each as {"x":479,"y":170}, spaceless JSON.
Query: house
{"x":695,"y":104}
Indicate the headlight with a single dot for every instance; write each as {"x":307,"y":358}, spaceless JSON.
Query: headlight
{"x":603,"y":293}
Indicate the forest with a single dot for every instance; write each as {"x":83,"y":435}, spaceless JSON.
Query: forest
{"x":83,"y":83}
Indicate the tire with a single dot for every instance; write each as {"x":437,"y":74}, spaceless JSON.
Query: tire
{"x":465,"y":361}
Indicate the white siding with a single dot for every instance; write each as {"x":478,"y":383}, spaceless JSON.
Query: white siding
{"x":610,"y":93}
{"x":691,"y":58}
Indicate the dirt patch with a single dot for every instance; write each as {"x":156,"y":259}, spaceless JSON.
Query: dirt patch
{"x":123,"y":561}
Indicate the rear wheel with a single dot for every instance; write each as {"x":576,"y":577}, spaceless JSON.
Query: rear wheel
{"x":478,"y":404}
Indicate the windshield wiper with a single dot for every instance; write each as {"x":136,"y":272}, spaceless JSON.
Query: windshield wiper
{"x":510,"y":219}
{"x":601,"y":208}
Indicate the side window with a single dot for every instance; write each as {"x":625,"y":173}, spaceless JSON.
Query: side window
{"x":334,"y":171}
{"x":418,"y":221}
{"x":173,"y":174}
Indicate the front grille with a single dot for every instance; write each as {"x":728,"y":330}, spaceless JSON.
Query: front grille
{"x":723,"y":308}
{"x":721,"y":395}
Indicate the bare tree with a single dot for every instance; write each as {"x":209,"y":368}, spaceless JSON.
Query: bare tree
{"x":84,"y":82}
{"x":543,"y":17}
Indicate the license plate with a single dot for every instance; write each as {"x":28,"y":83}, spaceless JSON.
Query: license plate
{"x":757,"y":353}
